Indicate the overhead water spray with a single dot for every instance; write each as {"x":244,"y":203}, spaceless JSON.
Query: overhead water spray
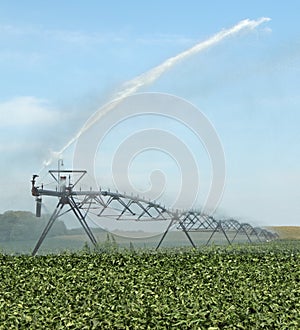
{"x":132,"y":86}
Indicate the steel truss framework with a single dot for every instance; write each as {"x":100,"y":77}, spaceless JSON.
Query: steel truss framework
{"x":122,"y":207}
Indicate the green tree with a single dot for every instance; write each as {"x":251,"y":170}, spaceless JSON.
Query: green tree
{"x":22,"y":225}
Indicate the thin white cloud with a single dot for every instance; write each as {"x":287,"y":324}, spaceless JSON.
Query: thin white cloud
{"x":166,"y":39}
{"x":60,"y":35}
{"x":12,"y":30}
{"x":10,"y":147}
{"x":26,"y":110}
{"x":27,"y":57}
{"x":78,"y":37}
{"x":82,"y":38}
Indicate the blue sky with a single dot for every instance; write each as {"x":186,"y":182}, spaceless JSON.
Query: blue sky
{"x":61,"y":60}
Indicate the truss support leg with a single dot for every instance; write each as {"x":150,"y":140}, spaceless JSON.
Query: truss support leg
{"x":219,"y":226}
{"x":165,"y":233}
{"x":258,"y":238}
{"x":187,"y":234}
{"x":248,"y":236}
{"x":245,"y":231}
{"x":211,"y":236}
{"x":224,"y":232}
{"x":53,"y":217}
{"x":82,"y":221}
{"x":235,"y":235}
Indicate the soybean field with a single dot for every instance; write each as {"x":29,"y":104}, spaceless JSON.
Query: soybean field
{"x":232,"y":287}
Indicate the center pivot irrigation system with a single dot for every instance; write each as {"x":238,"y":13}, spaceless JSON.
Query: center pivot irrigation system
{"x":117,"y":206}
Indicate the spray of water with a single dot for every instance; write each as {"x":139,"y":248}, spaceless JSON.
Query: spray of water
{"x":152,"y":75}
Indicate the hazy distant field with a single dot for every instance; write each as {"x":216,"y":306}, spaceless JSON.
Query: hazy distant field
{"x":125,"y":240}
{"x":137,"y":239}
{"x":287,"y":232}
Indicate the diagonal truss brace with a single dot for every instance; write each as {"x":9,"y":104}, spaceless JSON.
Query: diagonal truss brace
{"x":175,"y":219}
{"x":57,"y":212}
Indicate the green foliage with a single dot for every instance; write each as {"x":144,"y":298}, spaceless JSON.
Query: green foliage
{"x":21,"y":225}
{"x":110,"y":245}
{"x":253,"y":287}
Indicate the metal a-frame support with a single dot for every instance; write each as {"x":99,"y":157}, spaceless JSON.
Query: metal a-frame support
{"x":245,"y":232}
{"x":53,"y":217}
{"x":218,"y":227}
{"x":57,"y":212}
{"x":174,"y":219}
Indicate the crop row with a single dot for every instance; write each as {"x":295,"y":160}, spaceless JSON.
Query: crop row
{"x":184,"y":289}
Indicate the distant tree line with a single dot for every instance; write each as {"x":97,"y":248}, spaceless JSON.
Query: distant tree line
{"x":22,"y":225}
